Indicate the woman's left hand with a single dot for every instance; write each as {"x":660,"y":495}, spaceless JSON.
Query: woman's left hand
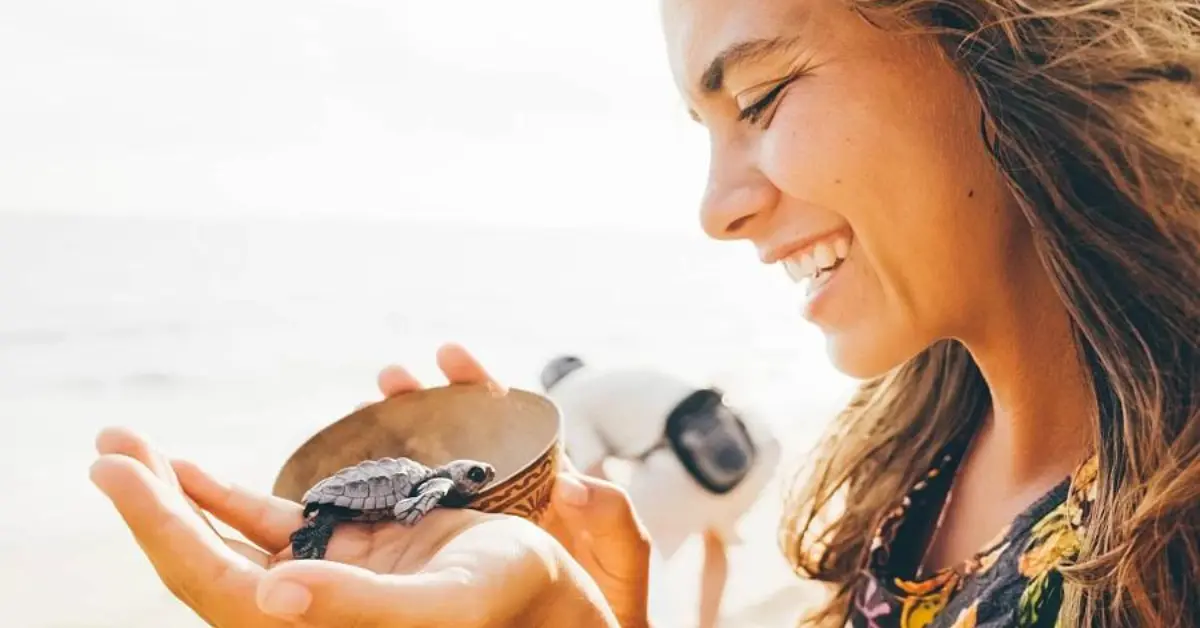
{"x":456,"y":568}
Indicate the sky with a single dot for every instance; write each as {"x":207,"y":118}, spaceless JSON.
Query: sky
{"x":536,"y":110}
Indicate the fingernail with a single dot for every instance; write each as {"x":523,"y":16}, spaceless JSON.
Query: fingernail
{"x":285,"y":599}
{"x":571,"y":490}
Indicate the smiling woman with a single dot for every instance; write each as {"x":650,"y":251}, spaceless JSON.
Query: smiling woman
{"x":995,"y":208}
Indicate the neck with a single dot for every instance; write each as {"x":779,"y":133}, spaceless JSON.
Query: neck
{"x":1037,"y":431}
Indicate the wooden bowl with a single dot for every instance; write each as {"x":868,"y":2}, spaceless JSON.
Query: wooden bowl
{"x":519,"y":433}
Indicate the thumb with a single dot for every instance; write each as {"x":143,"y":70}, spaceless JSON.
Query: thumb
{"x":608,"y":540}
{"x":599,"y":517}
{"x":325,"y":593}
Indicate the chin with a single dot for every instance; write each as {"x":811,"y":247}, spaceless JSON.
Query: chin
{"x":864,"y":357}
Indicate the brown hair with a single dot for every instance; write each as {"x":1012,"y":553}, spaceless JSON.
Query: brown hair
{"x":1094,"y":116}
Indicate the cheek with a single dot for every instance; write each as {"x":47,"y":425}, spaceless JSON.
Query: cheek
{"x":811,"y":147}
{"x":825,"y":155}
{"x":918,"y":189}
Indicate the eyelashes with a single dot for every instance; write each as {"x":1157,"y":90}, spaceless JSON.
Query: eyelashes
{"x":754,"y":112}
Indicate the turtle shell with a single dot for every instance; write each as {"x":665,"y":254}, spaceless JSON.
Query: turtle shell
{"x":369,"y":485}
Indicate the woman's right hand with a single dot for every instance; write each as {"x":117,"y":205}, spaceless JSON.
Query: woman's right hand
{"x":593,"y":519}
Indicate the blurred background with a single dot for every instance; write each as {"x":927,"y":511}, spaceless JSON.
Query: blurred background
{"x":219,"y":220}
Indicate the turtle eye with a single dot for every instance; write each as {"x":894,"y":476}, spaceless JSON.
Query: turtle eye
{"x":476,"y":474}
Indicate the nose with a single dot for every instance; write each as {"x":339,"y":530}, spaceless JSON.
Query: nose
{"x":738,"y":198}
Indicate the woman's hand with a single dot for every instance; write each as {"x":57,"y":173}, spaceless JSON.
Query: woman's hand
{"x":591,"y":518}
{"x":456,"y":568}
{"x":594,"y":520}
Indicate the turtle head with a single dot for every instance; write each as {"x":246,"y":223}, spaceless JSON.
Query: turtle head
{"x":470,"y":476}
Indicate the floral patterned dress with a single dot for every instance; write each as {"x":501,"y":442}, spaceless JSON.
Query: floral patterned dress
{"x":1011,"y":582}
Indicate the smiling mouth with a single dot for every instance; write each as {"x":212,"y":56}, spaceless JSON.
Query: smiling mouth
{"x":819,"y":259}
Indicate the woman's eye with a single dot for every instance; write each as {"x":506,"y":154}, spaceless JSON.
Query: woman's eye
{"x":754,"y":112}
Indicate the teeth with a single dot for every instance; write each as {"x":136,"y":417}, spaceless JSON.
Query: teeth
{"x":823,"y":254}
{"x":800,"y":267}
{"x":841,"y":247}
{"x":814,"y":262}
{"x":807,"y":265}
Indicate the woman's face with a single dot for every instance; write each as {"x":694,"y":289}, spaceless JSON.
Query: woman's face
{"x":840,"y":146}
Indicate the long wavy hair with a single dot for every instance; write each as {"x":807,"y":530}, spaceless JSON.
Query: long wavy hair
{"x":1092,"y":114}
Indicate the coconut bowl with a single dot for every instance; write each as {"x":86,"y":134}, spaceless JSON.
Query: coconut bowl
{"x":519,"y":433}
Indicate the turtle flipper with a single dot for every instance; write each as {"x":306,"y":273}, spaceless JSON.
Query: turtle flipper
{"x":312,"y":539}
{"x":412,"y":509}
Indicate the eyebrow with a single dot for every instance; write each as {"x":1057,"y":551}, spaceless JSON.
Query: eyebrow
{"x":713,"y":78}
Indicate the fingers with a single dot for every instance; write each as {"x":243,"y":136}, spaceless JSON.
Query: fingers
{"x":250,"y":552}
{"x":120,"y":440}
{"x":325,"y":593}
{"x":603,"y":507}
{"x":396,"y":380}
{"x":266,"y":520}
{"x":460,"y":367}
{"x":599,"y":508}
{"x":194,"y":563}
{"x":125,"y":442}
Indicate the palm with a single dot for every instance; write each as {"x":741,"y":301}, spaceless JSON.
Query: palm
{"x":444,"y":537}
{"x":379,"y":547}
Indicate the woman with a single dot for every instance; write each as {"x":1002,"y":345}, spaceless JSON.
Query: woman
{"x":995,"y":205}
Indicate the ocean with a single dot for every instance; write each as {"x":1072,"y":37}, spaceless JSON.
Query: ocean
{"x":230,"y":340}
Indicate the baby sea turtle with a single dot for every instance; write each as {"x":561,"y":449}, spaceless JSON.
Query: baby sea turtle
{"x":397,"y":489}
